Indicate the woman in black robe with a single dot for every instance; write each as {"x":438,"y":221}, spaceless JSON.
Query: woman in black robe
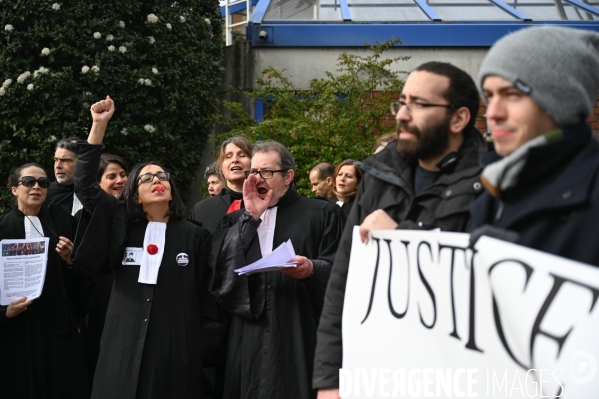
{"x":153,"y":344}
{"x":233,"y":160}
{"x":111,"y":176}
{"x":348,"y":176}
{"x":41,"y":354}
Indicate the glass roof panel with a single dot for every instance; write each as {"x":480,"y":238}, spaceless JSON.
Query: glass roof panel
{"x":548,"y":12}
{"x":375,"y":3}
{"x":312,"y":10}
{"x":397,"y":13}
{"x":407,"y":10}
{"x":470,"y":12}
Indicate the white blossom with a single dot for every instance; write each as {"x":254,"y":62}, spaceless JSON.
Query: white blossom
{"x":85,"y":105}
{"x":122,"y":24}
{"x":147,"y":82}
{"x":123,"y":49}
{"x":84,"y":69}
{"x":151,"y":39}
{"x":111,"y":48}
{"x":7,"y":83}
{"x":30,"y":86}
{"x":155,"y":71}
{"x":152,"y":18}
{"x":23,"y":76}
{"x":45,"y":51}
{"x":8,"y":28}
{"x":97,"y":35}
{"x":149,"y":128}
{"x":141,"y":81}
{"x":182,"y":18}
{"x":207,"y":20}
{"x":109,"y":38}
{"x":56,"y":6}
{"x":52,"y":138}
{"x":87,"y":93}
{"x":96,"y":69}
{"x":42,"y":70}
{"x":2,"y":91}
{"x":169,"y":26}
{"x":124,"y":131}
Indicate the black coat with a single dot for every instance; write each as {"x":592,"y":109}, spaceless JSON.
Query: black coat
{"x":41,"y":353}
{"x":61,"y":194}
{"x":153,"y":341}
{"x":273,"y":316}
{"x":347,"y":205}
{"x":387,"y":185}
{"x":209,"y":212}
{"x":554,"y":207}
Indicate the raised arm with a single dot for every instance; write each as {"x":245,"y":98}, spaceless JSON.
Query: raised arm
{"x":88,"y":155}
{"x":101,"y":112}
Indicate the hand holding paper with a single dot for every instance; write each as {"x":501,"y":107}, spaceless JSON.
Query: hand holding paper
{"x":281,"y":258}
{"x":305,"y":268}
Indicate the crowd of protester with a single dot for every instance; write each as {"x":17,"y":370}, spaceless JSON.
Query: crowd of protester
{"x":142,"y":300}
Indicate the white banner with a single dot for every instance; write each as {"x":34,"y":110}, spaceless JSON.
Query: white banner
{"x":420,"y":321}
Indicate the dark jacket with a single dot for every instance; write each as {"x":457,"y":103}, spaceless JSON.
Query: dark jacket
{"x":387,"y":185}
{"x":347,"y":205}
{"x":209,"y":212}
{"x":554,"y":207}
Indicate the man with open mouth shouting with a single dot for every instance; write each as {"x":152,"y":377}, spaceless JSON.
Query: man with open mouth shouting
{"x":273,"y":315}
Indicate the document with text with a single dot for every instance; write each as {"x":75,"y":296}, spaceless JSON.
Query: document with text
{"x":22,"y":269}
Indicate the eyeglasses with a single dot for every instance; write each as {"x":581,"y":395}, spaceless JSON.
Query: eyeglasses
{"x":265,"y":173}
{"x":148,"y":177}
{"x":29,"y":181}
{"x":396,"y":106}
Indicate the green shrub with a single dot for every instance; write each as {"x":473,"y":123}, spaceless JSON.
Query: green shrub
{"x":337,"y":118}
{"x":159,"y":60}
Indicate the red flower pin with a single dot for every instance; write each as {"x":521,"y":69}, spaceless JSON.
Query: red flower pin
{"x":152,"y":249}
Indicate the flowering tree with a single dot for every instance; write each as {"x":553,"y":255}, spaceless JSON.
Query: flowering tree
{"x":159,"y":60}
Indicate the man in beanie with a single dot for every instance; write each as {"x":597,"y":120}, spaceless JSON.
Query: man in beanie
{"x":542,"y":183}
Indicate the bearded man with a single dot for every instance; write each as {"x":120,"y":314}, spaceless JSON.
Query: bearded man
{"x":426,"y":180}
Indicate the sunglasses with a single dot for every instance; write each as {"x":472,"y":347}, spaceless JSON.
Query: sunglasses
{"x":29,"y":181}
{"x":148,"y":177}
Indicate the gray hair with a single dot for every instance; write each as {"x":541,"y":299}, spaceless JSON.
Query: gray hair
{"x":286,"y":160}
{"x":69,"y":144}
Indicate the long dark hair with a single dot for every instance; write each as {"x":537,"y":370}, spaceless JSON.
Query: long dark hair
{"x":130,"y":195}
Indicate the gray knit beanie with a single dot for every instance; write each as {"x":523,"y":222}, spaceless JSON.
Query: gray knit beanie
{"x":558,"y":67}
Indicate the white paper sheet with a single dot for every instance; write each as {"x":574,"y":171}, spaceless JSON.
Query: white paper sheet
{"x":278,"y":259}
{"x":22,"y":269}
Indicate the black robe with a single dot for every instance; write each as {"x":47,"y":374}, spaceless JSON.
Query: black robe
{"x":41,"y":354}
{"x":274,"y":316}
{"x":152,"y":345}
{"x":347,"y":205}
{"x":61,"y":194}
{"x":209,"y":212}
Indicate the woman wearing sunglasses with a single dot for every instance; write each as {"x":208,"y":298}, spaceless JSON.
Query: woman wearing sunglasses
{"x":152,"y":345}
{"x":40,"y":346}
